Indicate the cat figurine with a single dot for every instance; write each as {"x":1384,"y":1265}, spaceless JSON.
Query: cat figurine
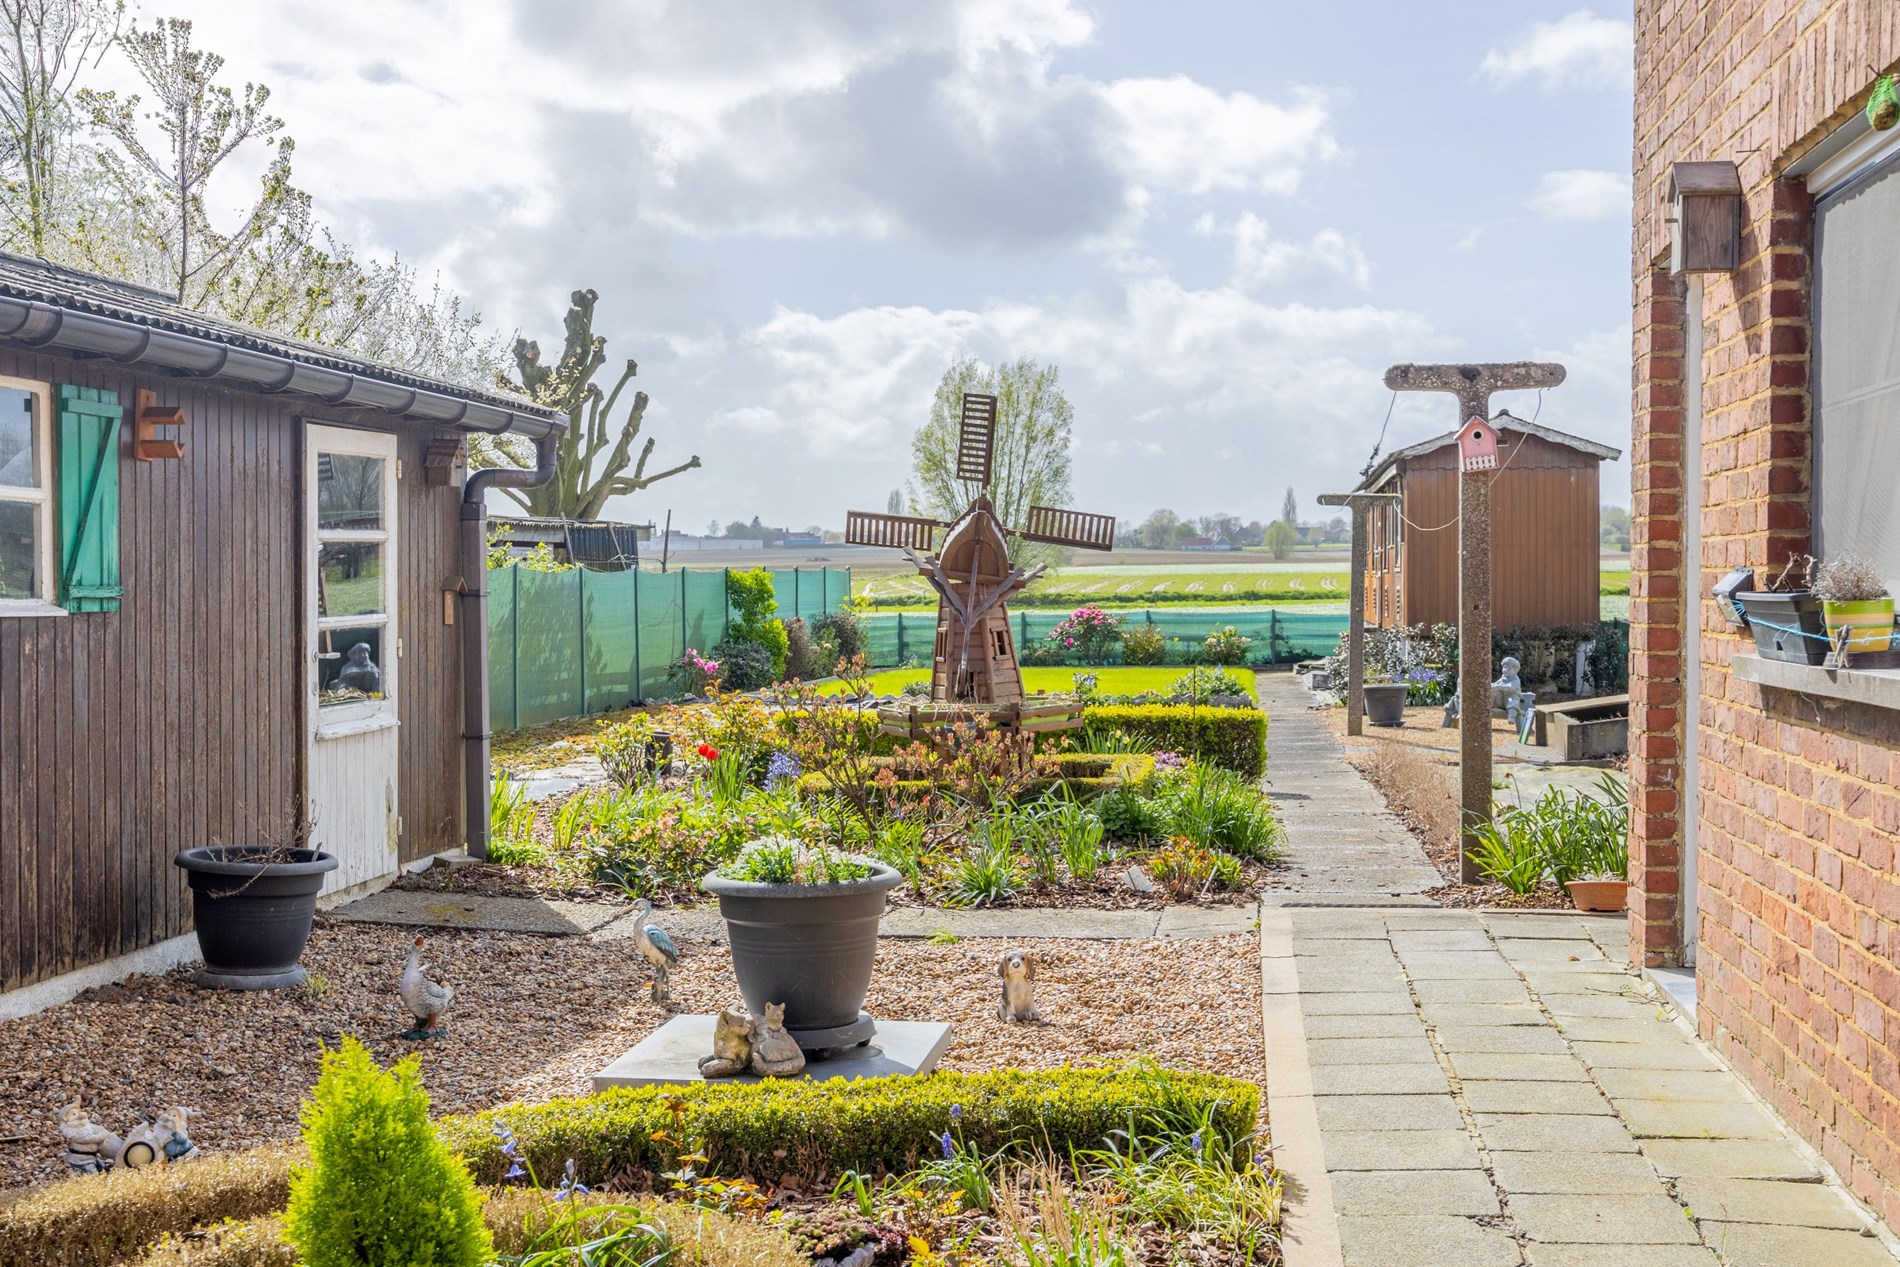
{"x":775,"y":1053}
{"x":732,"y":1044}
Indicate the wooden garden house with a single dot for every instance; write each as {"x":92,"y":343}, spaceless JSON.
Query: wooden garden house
{"x":235,"y":582}
{"x":1545,"y":552}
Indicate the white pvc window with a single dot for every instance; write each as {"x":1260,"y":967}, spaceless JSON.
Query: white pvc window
{"x":26,"y":496}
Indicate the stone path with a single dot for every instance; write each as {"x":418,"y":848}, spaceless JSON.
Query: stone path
{"x":1467,"y":1089}
{"x":1344,"y":847}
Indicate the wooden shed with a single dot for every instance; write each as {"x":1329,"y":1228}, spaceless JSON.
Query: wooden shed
{"x":1545,"y":551}
{"x":232,"y":569}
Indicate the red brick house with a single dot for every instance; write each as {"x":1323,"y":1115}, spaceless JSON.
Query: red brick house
{"x":1767,"y":424}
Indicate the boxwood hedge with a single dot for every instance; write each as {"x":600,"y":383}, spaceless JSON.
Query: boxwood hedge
{"x":1232,"y":737}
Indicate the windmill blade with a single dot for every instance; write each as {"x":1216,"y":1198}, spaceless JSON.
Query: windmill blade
{"x":904,"y":532}
{"x":976,"y":435}
{"x":1069,"y":528}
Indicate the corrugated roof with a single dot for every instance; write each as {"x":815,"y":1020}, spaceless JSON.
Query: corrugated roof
{"x":74,"y":290}
{"x":1504,"y":420}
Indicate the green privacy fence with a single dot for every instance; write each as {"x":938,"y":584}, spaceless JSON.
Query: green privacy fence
{"x":892,"y":639}
{"x":563,"y":644}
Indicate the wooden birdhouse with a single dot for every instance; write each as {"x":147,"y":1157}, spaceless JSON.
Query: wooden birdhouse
{"x":1705,"y":234}
{"x":1478,"y":446}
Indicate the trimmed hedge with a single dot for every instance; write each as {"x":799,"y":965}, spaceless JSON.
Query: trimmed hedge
{"x":1087,"y":775}
{"x":772,"y":1128}
{"x":1232,"y":737}
{"x":819,"y":1129}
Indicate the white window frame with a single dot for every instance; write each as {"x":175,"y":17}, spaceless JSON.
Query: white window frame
{"x":41,"y":497}
{"x":349,"y":717}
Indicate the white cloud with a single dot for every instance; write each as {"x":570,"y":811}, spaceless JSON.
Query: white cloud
{"x":1578,"y":50}
{"x":1326,"y":261}
{"x":1582,"y":195}
{"x":1181,"y":136}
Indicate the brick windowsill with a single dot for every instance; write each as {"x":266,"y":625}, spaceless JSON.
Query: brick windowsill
{"x":1878,"y":688}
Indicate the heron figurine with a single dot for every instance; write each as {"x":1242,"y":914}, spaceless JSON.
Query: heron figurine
{"x":656,"y":947}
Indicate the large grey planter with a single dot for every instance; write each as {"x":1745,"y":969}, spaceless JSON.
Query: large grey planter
{"x":1385,"y":703}
{"x":810,"y":947}
{"x":253,"y":917}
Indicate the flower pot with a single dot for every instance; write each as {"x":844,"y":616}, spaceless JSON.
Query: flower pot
{"x":253,"y":916}
{"x":1385,"y":703}
{"x":1786,"y":626}
{"x":1869,"y":622}
{"x":1598,"y":895}
{"x":810,"y":947}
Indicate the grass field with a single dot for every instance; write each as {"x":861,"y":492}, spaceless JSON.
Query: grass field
{"x":1112,"y":680}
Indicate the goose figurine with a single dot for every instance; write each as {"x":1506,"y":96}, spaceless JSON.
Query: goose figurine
{"x":427,"y":1000}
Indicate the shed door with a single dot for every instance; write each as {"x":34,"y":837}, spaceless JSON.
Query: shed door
{"x":351,"y":673}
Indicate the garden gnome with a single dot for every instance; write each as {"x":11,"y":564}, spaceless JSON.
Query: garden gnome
{"x":171,"y":1133}
{"x":90,"y":1148}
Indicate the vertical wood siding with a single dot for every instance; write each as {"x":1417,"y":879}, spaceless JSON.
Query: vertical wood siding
{"x":178,"y":720}
{"x":1545,"y":552}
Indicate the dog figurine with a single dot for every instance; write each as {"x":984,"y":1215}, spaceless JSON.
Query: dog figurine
{"x":1018,"y":971}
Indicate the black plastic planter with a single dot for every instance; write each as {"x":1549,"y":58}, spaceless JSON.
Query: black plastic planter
{"x":1385,"y":703}
{"x":810,"y":947}
{"x":1786,"y":626}
{"x":253,"y":916}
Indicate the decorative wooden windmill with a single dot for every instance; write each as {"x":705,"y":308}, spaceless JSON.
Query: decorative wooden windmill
{"x":975,"y":658}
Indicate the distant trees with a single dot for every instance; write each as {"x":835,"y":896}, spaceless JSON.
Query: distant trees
{"x":1282,"y":536}
{"x":1290,"y":508}
{"x":1160,"y":530}
{"x":1614,"y":527}
{"x":895,"y":502}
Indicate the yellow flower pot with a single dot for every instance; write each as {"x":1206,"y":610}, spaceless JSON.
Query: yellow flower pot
{"x":1869,"y":622}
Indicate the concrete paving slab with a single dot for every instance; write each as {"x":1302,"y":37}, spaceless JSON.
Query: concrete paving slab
{"x":1413,"y":1050}
{"x":1536,"y":927}
{"x":1388,"y":1113}
{"x":1412,"y":1241}
{"x":671,"y":1054}
{"x":1762,"y":1245}
{"x":1358,"y":1004}
{"x":1602,"y":1220}
{"x":1684,"y":1055}
{"x":1530,"y":1039}
{"x":1691,"y":1119}
{"x":1472,"y":1015}
{"x":1701,"y":1085}
{"x":1553,"y":1132}
{"x":1621,"y":1256}
{"x":1631,"y":1005}
{"x":1575,"y":1174}
{"x":1535,"y":1097}
{"x":1481,"y":968}
{"x":1529,"y":952}
{"x":1449,"y":939}
{"x":1435,"y":919}
{"x":1379,"y":1080}
{"x":1729,"y":1159}
{"x":1414,"y":1192}
{"x":1512,"y":1067}
{"x":415,"y":908}
{"x":1596,"y":1029}
{"x":1769,"y":1201}
{"x":1346,"y":980}
{"x":1188,"y":922}
{"x":1498,"y":990}
{"x":1378,"y":1025}
{"x":1400,"y":1150}
{"x":1341,"y":949}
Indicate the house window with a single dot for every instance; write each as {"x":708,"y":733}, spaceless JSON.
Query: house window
{"x":1857,"y":372}
{"x":26,"y":496}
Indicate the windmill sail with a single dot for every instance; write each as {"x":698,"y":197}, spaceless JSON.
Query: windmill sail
{"x":903,"y":532}
{"x":976,"y":434}
{"x":1070,"y":528}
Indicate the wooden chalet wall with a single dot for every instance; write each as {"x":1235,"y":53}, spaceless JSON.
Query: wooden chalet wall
{"x":178,"y":719}
{"x":1545,"y":542}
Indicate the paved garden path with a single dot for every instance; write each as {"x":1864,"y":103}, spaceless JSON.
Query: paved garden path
{"x":1453,"y":1088}
{"x":1343,"y":846}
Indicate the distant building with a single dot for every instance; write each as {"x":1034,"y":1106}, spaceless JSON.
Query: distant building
{"x":801,"y":540}
{"x":1545,"y":556}
{"x":600,"y":544}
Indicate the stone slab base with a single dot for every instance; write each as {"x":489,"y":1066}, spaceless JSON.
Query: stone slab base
{"x":671,"y":1054}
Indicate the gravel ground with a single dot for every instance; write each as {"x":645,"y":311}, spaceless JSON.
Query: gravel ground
{"x":535,"y":1017}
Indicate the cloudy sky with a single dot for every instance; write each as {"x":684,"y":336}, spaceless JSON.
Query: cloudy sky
{"x":1221,"y":218}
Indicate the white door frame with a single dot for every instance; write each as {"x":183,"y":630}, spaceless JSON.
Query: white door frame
{"x":358,"y":735}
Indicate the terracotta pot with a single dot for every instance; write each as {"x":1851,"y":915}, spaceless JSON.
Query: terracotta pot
{"x":1870,"y":621}
{"x":1598,"y":895}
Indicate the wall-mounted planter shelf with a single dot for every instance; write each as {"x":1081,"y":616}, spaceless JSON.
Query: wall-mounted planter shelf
{"x":1876,"y":688}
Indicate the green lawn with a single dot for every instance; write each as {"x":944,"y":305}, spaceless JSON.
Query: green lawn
{"x":1113,"y":680}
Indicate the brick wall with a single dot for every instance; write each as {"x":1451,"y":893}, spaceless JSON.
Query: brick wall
{"x":1797,"y":812}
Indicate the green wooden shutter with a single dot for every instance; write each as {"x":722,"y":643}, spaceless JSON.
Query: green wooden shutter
{"x":89,"y":420}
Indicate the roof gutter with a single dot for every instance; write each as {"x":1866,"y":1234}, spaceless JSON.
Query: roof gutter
{"x":39,"y":325}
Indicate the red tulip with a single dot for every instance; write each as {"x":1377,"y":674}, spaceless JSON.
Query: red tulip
{"x":709,"y":752}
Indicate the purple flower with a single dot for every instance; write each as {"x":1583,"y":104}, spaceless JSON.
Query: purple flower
{"x":949,"y":1149}
{"x":515,"y":1172}
{"x":1194,"y":1144}
{"x":956,"y":1111}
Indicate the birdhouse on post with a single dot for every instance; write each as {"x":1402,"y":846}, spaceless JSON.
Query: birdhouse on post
{"x":1705,"y":204}
{"x":1478,"y":446}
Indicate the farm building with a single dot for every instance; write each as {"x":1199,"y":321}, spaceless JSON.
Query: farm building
{"x":236,"y":578}
{"x":1765,"y":267}
{"x":1544,"y":535}
{"x":601,"y":544}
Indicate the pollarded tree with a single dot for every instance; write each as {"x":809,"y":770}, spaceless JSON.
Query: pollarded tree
{"x":595,"y":455}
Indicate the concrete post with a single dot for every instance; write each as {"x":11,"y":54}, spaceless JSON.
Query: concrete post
{"x":1356,"y":619}
{"x":1474,"y":664}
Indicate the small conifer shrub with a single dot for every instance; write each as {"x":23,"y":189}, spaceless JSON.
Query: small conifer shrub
{"x":381,"y":1190}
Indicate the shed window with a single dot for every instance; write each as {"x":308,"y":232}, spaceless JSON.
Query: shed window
{"x":26,"y":496}
{"x":1857,"y":373}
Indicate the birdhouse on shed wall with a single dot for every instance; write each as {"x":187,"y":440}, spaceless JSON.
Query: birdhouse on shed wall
{"x":1705,"y":233}
{"x":1477,"y":446}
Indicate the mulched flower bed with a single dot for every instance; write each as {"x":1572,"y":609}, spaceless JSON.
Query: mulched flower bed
{"x":535,"y":1017}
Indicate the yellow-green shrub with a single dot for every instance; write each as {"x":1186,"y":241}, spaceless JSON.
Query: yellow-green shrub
{"x":1232,"y":737}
